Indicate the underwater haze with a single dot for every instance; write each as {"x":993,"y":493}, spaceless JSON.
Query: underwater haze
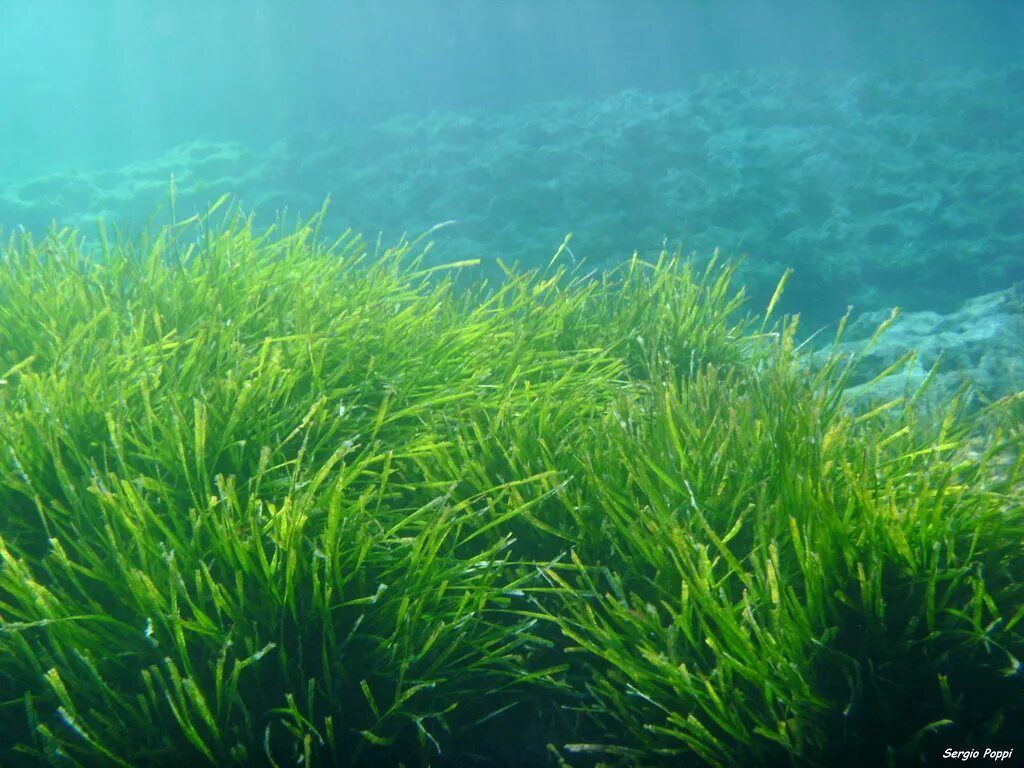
{"x":90,"y":86}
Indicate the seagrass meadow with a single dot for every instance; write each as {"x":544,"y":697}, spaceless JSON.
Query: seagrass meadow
{"x":267,"y":499}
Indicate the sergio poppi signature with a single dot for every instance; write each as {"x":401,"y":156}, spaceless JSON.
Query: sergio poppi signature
{"x":972,"y":754}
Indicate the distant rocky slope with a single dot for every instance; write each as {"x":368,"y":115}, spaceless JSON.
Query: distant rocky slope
{"x":878,"y":190}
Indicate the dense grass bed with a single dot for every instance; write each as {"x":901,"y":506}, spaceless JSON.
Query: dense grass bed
{"x":265,"y":501}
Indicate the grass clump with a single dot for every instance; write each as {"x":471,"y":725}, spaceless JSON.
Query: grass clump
{"x":267,"y":499}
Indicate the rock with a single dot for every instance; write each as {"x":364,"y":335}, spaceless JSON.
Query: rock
{"x":981,"y":344}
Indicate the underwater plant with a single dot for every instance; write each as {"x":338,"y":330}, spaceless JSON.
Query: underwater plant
{"x":266,"y":499}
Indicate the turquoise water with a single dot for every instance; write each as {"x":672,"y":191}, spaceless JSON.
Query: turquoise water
{"x":875,"y":148}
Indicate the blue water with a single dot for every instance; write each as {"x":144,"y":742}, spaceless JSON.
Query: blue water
{"x":875,"y":147}
{"x":89,"y":84}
